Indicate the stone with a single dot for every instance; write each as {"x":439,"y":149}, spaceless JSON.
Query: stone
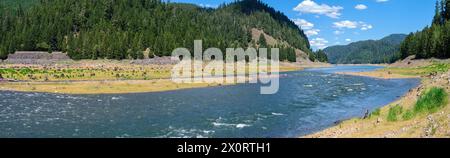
{"x":366,"y":115}
{"x":379,"y":120}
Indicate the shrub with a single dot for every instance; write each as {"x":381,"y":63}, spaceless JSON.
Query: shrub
{"x":394,"y":112}
{"x":431,"y":100}
{"x":375,"y":112}
{"x":408,"y":115}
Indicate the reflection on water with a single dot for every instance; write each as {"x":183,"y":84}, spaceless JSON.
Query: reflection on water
{"x":308,"y":101}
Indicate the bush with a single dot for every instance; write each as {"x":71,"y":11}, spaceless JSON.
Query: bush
{"x":375,"y":112}
{"x":431,"y":100}
{"x":394,"y":112}
{"x":43,"y":46}
{"x":408,"y":115}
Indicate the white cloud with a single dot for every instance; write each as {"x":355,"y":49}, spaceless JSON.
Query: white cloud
{"x":365,"y":27}
{"x":309,"y":6}
{"x":319,"y":43}
{"x":208,"y":6}
{"x":302,"y":23}
{"x":352,"y":25}
{"x":346,"y":24}
{"x":381,"y":1}
{"x":348,"y":40}
{"x":307,"y":26}
{"x":312,"y":32}
{"x":337,"y":32}
{"x":361,"y":7}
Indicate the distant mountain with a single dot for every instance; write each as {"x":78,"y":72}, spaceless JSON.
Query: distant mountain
{"x":370,"y":51}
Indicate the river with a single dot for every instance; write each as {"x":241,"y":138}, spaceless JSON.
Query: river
{"x":308,"y":101}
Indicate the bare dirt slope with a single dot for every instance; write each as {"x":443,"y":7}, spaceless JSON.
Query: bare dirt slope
{"x":302,"y":57}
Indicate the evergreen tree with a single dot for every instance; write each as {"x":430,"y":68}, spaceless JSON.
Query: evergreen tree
{"x":262,"y":41}
{"x":321,"y":56}
{"x":437,"y":20}
{"x":432,"y":41}
{"x":121,"y":29}
{"x":446,"y":10}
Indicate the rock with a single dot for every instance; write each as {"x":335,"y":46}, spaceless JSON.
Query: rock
{"x":337,"y":122}
{"x":366,"y":115}
{"x":379,"y":120}
{"x":430,"y":118}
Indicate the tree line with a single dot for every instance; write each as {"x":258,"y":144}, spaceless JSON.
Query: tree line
{"x":432,"y":41}
{"x":125,"y":29}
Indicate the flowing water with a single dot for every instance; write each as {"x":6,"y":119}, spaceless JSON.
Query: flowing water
{"x":308,"y":101}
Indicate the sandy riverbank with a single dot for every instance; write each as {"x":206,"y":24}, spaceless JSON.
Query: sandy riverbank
{"x":102,"y":77}
{"x":435,"y":124}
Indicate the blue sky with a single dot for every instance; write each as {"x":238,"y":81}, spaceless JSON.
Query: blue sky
{"x":337,"y":22}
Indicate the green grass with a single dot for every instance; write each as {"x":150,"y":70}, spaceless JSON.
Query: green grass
{"x":431,"y":100}
{"x":408,"y":115}
{"x":53,"y":74}
{"x":419,"y":71}
{"x":394,"y":112}
{"x":375,"y":112}
{"x":437,"y":67}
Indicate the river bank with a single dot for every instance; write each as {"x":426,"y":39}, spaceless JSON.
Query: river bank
{"x":379,"y":123}
{"x":102,"y":77}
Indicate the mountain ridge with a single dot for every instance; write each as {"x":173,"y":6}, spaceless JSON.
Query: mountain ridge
{"x":121,"y":29}
{"x":383,"y":50}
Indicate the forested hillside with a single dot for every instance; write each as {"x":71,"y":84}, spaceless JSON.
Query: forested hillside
{"x":124,"y":29}
{"x":370,"y":51}
{"x":432,"y":41}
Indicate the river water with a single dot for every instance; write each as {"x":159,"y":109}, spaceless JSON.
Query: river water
{"x":308,"y":101}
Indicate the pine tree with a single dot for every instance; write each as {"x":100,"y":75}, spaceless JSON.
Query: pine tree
{"x":446,"y":10}
{"x":262,"y":41}
{"x":3,"y":52}
{"x":437,"y":20}
{"x":87,"y":29}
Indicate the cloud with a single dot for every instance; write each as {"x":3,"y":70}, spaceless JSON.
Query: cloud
{"x":337,"y":32}
{"x":346,"y":24}
{"x":319,"y":43}
{"x":311,"y":7}
{"x":361,"y":7}
{"x":307,"y":26}
{"x":365,"y":27}
{"x":302,"y":23}
{"x":352,"y":25}
{"x":208,"y":6}
{"x":381,"y":1}
{"x":312,"y":32}
{"x":348,"y":40}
